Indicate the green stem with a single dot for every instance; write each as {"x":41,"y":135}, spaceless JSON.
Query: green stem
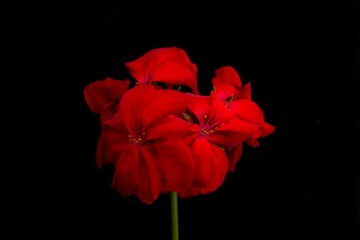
{"x":174,"y":216}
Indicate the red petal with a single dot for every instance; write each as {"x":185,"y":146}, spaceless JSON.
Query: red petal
{"x":234,"y":155}
{"x":100,"y":93}
{"x":126,"y":179}
{"x":218,"y":112}
{"x":267,"y":129}
{"x":167,"y":65}
{"x":143,"y":105}
{"x":207,"y":109}
{"x":172,"y":127}
{"x":115,"y":139}
{"x":223,"y":89}
{"x":164,"y":167}
{"x":133,"y":105}
{"x":229,"y":75}
{"x":226,"y":82}
{"x":248,"y":111}
{"x":231,"y":133}
{"x":107,"y":112}
{"x":211,"y":166}
{"x":253,"y":142}
{"x":198,"y":105}
{"x":165,"y":103}
{"x":245,"y":92}
{"x":251,"y":113}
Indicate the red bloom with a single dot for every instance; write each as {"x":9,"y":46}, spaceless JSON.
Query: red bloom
{"x":166,"y":65}
{"x":103,"y":97}
{"x":143,"y":139}
{"x":103,"y":92}
{"x":228,"y":86}
{"x":213,"y":129}
{"x":227,"y":83}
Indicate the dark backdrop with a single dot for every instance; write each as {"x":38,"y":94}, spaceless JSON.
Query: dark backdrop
{"x":302,"y":61}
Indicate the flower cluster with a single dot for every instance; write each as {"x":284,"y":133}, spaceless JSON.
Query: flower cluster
{"x":161,"y":139}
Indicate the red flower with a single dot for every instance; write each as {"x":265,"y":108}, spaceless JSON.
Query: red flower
{"x":228,"y":86}
{"x":213,"y":129}
{"x":165,"y":65}
{"x":103,"y":97}
{"x":103,"y":92}
{"x":227,"y":83}
{"x":143,"y":139}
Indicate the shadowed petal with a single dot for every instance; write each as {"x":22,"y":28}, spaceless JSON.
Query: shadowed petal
{"x":234,"y":154}
{"x":102,"y":92}
{"x":231,"y":133}
{"x":245,"y":92}
{"x":211,"y":166}
{"x":167,"y":65}
{"x":165,"y":166}
{"x":267,"y":129}
{"x":115,"y":139}
{"x":126,"y":179}
{"x":107,"y":112}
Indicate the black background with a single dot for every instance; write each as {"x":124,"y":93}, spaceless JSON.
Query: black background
{"x":302,"y":60}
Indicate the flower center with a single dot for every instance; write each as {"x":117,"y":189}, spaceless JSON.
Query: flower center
{"x":206,"y":128}
{"x":137,"y":138}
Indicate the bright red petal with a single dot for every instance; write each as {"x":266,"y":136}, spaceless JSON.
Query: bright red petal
{"x":251,"y":113}
{"x":248,"y":111}
{"x":171,"y":127}
{"x":226,"y":83}
{"x":167,"y":65}
{"x":133,"y":105}
{"x":165,"y":166}
{"x":234,"y":155}
{"x":143,"y":105}
{"x":165,"y":103}
{"x":100,"y":93}
{"x":211,"y":166}
{"x":199,"y":106}
{"x":218,"y":112}
{"x":229,"y":75}
{"x":223,"y":90}
{"x":231,"y":133}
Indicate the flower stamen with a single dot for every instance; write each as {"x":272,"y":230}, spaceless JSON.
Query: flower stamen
{"x":136,"y":138}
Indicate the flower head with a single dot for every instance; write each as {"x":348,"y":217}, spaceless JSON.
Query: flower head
{"x":237,"y":99}
{"x":162,"y":140}
{"x":213,"y":129}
